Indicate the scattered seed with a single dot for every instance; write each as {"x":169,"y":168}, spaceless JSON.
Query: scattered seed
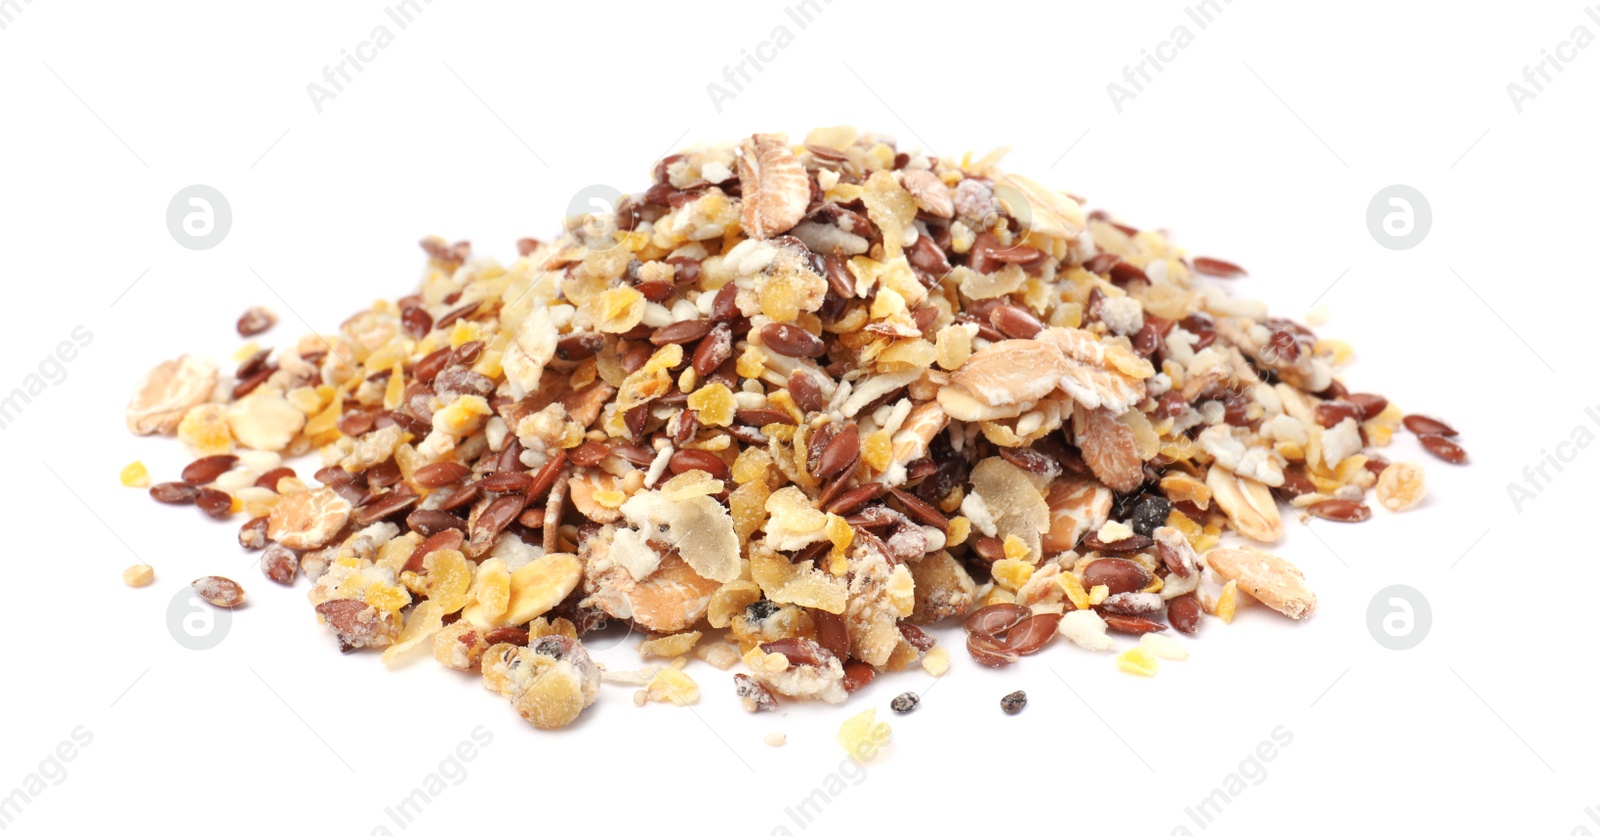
{"x":1014,"y":702}
{"x":219,"y":591}
{"x":905,"y":703}
{"x":138,"y":575}
{"x":1423,"y":425}
{"x":254,"y":321}
{"x":1443,"y":448}
{"x":1341,"y":510}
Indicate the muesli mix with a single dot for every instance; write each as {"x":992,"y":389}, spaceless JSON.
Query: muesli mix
{"x":785,"y":408}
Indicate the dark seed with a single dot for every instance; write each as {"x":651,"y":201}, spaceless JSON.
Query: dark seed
{"x":987,"y":547}
{"x":714,"y":350}
{"x":1184,"y":614}
{"x":840,"y":453}
{"x":1150,"y":514}
{"x":764,"y":415}
{"x":589,"y":453}
{"x":805,"y":391}
{"x":1370,"y":405}
{"x":217,"y":504}
{"x":506,"y":481}
{"x":254,"y":321}
{"x":205,"y":471}
{"x":1014,"y":702}
{"x":386,"y":505}
{"x":253,"y":534}
{"x":850,"y":501}
{"x":905,"y":703}
{"x":1444,"y":448}
{"x":271,"y":478}
{"x":1015,"y":322}
{"x":995,"y":619}
{"x":416,"y":322}
{"x":429,"y":367}
{"x":1331,"y":413}
{"x":428,"y":522}
{"x":439,"y":474}
{"x":449,"y":538}
{"x":921,"y":511}
{"x":280,"y":564}
{"x":174,"y":493}
{"x":579,"y":346}
{"x":1135,"y":624}
{"x":1116,"y":574}
{"x":790,"y":340}
{"x":679,"y":333}
{"x":1207,"y":266}
{"x":684,"y":461}
{"x":1423,"y":425}
{"x":990,"y":652}
{"x":857,"y":675}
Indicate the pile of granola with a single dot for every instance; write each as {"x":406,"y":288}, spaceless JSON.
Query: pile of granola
{"x":786,"y":407}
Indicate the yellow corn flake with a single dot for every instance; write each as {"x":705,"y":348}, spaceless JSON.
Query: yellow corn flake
{"x":1137,"y":661}
{"x":306,"y":399}
{"x":953,"y":346}
{"x":1339,"y":352}
{"x":877,"y":451}
{"x":385,"y":597}
{"x":1156,"y":584}
{"x":651,"y":380}
{"x":610,"y":498}
{"x":690,"y":484}
{"x":135,"y":476}
{"x":748,"y":507}
{"x":751,"y":363}
{"x":669,"y":647}
{"x":887,"y":303}
{"x":842,"y":535}
{"x":863,"y":735}
{"x":713,"y":405}
{"x":449,"y":577}
{"x":463,"y":416}
{"x":730,"y":600}
{"x":936,"y":661}
{"x":1015,"y":548}
{"x":786,"y":293}
{"x":246,"y":351}
{"x":918,"y":354}
{"x":960,"y":529}
{"x":465,"y":331}
{"x":1073,"y":587}
{"x":618,"y":310}
{"x":492,"y":590}
{"x":1228,"y":602}
{"x":1099,"y":594}
{"x":425,"y":620}
{"x":674,"y":686}
{"x":751,"y":465}
{"x":204,"y":430}
{"x":1011,"y":573}
{"x":797,"y":583}
{"x":328,"y":419}
{"x":889,"y":206}
{"x":395,"y":391}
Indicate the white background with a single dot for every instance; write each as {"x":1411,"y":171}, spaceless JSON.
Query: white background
{"x":1262,"y":142}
